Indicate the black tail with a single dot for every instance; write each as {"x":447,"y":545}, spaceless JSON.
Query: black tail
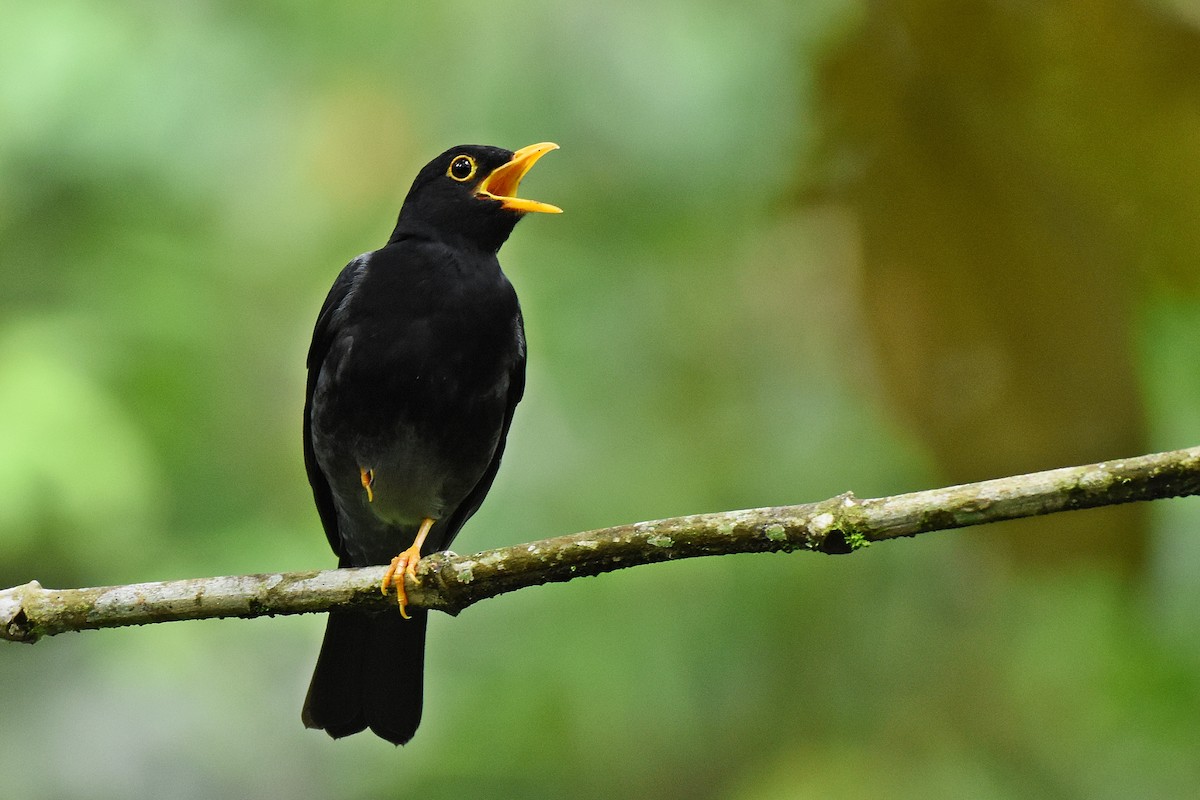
{"x":369,"y":675}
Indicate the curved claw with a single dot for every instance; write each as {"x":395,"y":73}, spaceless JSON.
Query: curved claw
{"x":405,"y":564}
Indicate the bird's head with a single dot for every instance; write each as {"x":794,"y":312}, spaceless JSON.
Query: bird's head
{"x":469,"y":192}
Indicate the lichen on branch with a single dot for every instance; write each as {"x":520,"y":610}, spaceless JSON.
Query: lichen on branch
{"x":450,"y":582}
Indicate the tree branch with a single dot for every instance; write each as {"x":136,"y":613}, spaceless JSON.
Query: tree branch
{"x":450,"y":582}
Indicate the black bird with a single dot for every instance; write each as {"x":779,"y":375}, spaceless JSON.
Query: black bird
{"x":416,"y":365}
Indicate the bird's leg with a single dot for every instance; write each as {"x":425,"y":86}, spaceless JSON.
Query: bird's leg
{"x":367,"y":476}
{"x":405,"y":564}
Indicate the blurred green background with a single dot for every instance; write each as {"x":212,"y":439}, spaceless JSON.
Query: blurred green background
{"x":807,"y":248}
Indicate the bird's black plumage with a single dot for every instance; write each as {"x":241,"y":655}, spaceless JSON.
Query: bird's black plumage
{"x":416,"y":365}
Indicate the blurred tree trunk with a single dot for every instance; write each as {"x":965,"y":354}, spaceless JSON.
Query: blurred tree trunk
{"x":1015,"y":169}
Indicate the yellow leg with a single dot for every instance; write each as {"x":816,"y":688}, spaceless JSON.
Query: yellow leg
{"x":405,"y":564}
{"x":367,"y":476}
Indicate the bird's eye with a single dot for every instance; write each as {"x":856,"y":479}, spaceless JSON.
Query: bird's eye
{"x":462,"y":168}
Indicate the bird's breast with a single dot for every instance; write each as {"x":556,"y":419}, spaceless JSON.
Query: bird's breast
{"x":419,"y":399}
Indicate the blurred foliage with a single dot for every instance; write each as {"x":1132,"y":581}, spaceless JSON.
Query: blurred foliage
{"x":993,"y":240}
{"x":1018,"y":177}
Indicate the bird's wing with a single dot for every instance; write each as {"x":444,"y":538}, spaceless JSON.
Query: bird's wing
{"x":322,"y":339}
{"x":516,"y":389}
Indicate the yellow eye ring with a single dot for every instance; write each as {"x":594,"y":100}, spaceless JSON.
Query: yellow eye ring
{"x":462,"y":168}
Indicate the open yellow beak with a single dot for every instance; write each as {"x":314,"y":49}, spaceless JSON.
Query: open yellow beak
{"x":503,"y":182}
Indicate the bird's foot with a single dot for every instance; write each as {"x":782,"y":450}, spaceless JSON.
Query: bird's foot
{"x":404,"y":565}
{"x":367,"y":476}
